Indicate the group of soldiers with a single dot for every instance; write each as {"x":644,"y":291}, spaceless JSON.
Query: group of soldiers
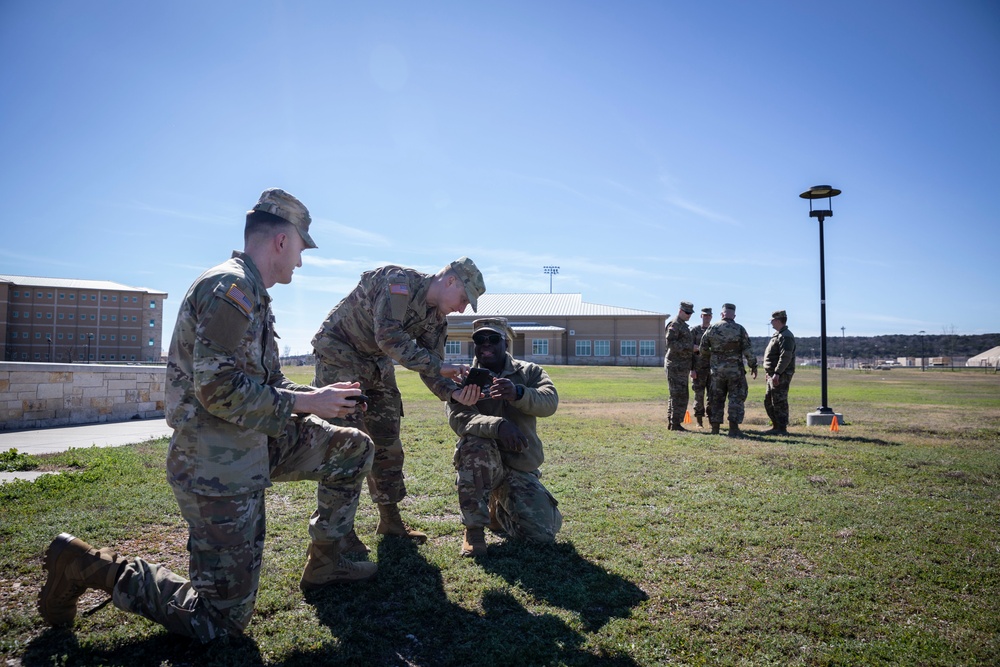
{"x":240,"y":425}
{"x":713,"y":356}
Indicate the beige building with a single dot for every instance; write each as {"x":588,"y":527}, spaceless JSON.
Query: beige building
{"x":79,"y":321}
{"x":564,"y":329}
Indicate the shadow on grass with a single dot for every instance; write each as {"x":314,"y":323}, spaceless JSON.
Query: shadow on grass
{"x":824,"y":439}
{"x":405,"y":616}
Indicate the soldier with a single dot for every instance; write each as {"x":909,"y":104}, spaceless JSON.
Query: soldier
{"x":699,"y":383}
{"x":724,"y":347}
{"x":779,"y":366}
{"x":498,"y":451}
{"x":678,"y":362}
{"x":395,"y":314}
{"x":239,"y":425}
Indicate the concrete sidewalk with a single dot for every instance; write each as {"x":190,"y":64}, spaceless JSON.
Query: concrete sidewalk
{"x":50,"y":440}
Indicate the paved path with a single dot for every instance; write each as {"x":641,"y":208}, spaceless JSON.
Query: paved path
{"x":50,"y":440}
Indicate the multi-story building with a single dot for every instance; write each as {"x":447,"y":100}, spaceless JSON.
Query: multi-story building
{"x":79,"y":321}
{"x":564,"y":329}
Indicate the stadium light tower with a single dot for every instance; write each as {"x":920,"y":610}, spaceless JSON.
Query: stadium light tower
{"x":824,"y":414}
{"x":551,"y":271}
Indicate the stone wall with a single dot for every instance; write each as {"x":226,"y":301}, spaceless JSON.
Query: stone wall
{"x":36,"y":395}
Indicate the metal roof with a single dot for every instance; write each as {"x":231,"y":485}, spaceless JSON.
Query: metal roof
{"x":72,"y":283}
{"x":552,"y":305}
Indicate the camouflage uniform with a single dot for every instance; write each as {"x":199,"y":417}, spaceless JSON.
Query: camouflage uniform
{"x":701,"y":367}
{"x":385,"y":318}
{"x":487,"y":475}
{"x":723,"y":347}
{"x":779,"y":359}
{"x":678,"y":362}
{"x":234,"y":433}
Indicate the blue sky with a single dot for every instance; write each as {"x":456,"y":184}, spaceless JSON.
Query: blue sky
{"x":654,"y":151}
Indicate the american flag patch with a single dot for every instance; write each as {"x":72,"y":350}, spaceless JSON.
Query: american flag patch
{"x":237,"y":295}
{"x":399,"y":288}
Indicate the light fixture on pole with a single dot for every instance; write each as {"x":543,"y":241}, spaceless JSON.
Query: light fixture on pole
{"x":824,"y":414}
{"x":550,"y":271}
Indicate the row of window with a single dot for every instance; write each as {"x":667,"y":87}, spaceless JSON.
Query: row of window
{"x":104,"y":318}
{"x":83,"y":297}
{"x":600,"y":348}
{"x":104,"y":357}
{"x":38,"y":336}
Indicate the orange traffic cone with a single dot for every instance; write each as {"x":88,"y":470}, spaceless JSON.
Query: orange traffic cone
{"x":687,"y":416}
{"x":834,"y":426}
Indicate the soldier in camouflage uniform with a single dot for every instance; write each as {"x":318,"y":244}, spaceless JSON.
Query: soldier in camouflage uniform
{"x":724,"y":346}
{"x":678,"y":362}
{"x":701,"y":370}
{"x":499,"y":451}
{"x":395,"y":314}
{"x":239,"y":425}
{"x":779,"y":366}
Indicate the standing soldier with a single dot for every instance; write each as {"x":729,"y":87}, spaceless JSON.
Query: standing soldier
{"x":724,"y":347}
{"x":701,"y":371}
{"x":678,"y":363}
{"x":779,"y":366}
{"x":395,"y":314}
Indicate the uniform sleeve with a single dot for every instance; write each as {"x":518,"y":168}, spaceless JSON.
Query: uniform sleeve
{"x":706,"y":347}
{"x":540,"y":398}
{"x":786,"y":355}
{"x":467,"y":420}
{"x":439,"y":385}
{"x":393,"y":294}
{"x":221,"y":387}
{"x":748,"y":350}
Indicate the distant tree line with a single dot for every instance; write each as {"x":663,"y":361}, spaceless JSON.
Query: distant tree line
{"x":889,"y":347}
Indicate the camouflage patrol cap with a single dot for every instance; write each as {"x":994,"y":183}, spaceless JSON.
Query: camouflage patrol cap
{"x":779,"y":315}
{"x":706,"y":311}
{"x":729,"y":306}
{"x":498,"y":325}
{"x":687,"y":307}
{"x":278,"y":202}
{"x":470,"y":276}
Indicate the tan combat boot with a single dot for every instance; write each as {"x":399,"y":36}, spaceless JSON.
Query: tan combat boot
{"x":352,"y":544}
{"x":474,"y":542}
{"x":326,"y":565}
{"x":73,"y":566}
{"x":390,"y":523}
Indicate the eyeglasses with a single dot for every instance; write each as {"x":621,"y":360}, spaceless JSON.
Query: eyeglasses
{"x":482,"y":339}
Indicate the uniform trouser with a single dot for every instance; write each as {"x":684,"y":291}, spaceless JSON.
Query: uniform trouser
{"x":726,"y":381}
{"x":226,"y":534}
{"x":524,"y":508}
{"x":699,"y":386}
{"x":776,"y":401}
{"x":677,"y":383}
{"x":381,"y":420}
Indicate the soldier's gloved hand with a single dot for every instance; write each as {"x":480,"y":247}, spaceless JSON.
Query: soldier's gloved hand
{"x":504,"y":389}
{"x":510,"y":438}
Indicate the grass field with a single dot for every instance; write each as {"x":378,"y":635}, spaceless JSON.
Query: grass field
{"x":877,"y":545}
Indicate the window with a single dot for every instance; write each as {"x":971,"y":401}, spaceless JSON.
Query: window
{"x":539,"y":345}
{"x":104,"y":318}
{"x":38,"y":316}
{"x":104,"y":297}
{"x":583,"y":348}
{"x":112,"y":336}
{"x":112,"y":357}
{"x":93,"y":297}
{"x":62,"y":296}
{"x":133,"y":318}
{"x":48,"y":316}
{"x":104,"y":356}
{"x":68,"y":336}
{"x":151,"y":342}
{"x":61,"y":316}
{"x":628,"y":348}
{"x":71,"y":316}
{"x":38,"y":356}
{"x":38,"y":336}
{"x":17,"y":294}
{"x":152,"y":304}
{"x":152,"y":323}
{"x":132,"y":357}
{"x":15,"y":314}
{"x":103,"y":337}
{"x":49,"y":295}
{"x":114,"y":298}
{"x":647,"y":348}
{"x":93,"y":317}
{"x":133,"y":337}
{"x":135,"y":299}
{"x":39,"y":295}
{"x":453,"y":347}
{"x":72,"y":297}
{"x":602,"y":348}
{"x":60,"y":336}
{"x":114,"y":318}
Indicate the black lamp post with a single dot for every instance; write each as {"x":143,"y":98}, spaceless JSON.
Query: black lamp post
{"x":90,"y":337}
{"x":48,"y":339}
{"x":824,"y":414}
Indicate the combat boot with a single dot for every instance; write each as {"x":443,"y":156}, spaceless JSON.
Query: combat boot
{"x":734,"y":430}
{"x":700,"y":423}
{"x":390,"y":523}
{"x":678,"y":427}
{"x":715,"y":428}
{"x":327,"y":565}
{"x":73,"y":566}
{"x":352,"y":544}
{"x":670,"y":426}
{"x":474,"y":542}
{"x":776,"y":430}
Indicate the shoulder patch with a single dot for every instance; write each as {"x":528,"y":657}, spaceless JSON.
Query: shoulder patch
{"x":398,"y":288}
{"x":237,"y":296}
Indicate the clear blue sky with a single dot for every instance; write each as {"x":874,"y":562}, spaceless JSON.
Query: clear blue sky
{"x":654,"y":151}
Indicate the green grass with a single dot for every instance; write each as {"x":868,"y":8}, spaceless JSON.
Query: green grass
{"x":877,"y":545}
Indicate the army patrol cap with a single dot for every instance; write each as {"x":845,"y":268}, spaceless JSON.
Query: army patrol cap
{"x":470,"y":276}
{"x":706,"y":311}
{"x":779,"y":315}
{"x":495,"y":324}
{"x":729,"y":306}
{"x":278,"y":202}
{"x":687,"y":307}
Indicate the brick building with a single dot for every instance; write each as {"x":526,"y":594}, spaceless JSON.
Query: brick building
{"x":564,"y":329}
{"x":79,"y":321}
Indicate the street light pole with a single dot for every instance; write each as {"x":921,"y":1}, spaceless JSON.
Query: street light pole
{"x":90,"y":337}
{"x":824,"y":414}
{"x":551,"y":271}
